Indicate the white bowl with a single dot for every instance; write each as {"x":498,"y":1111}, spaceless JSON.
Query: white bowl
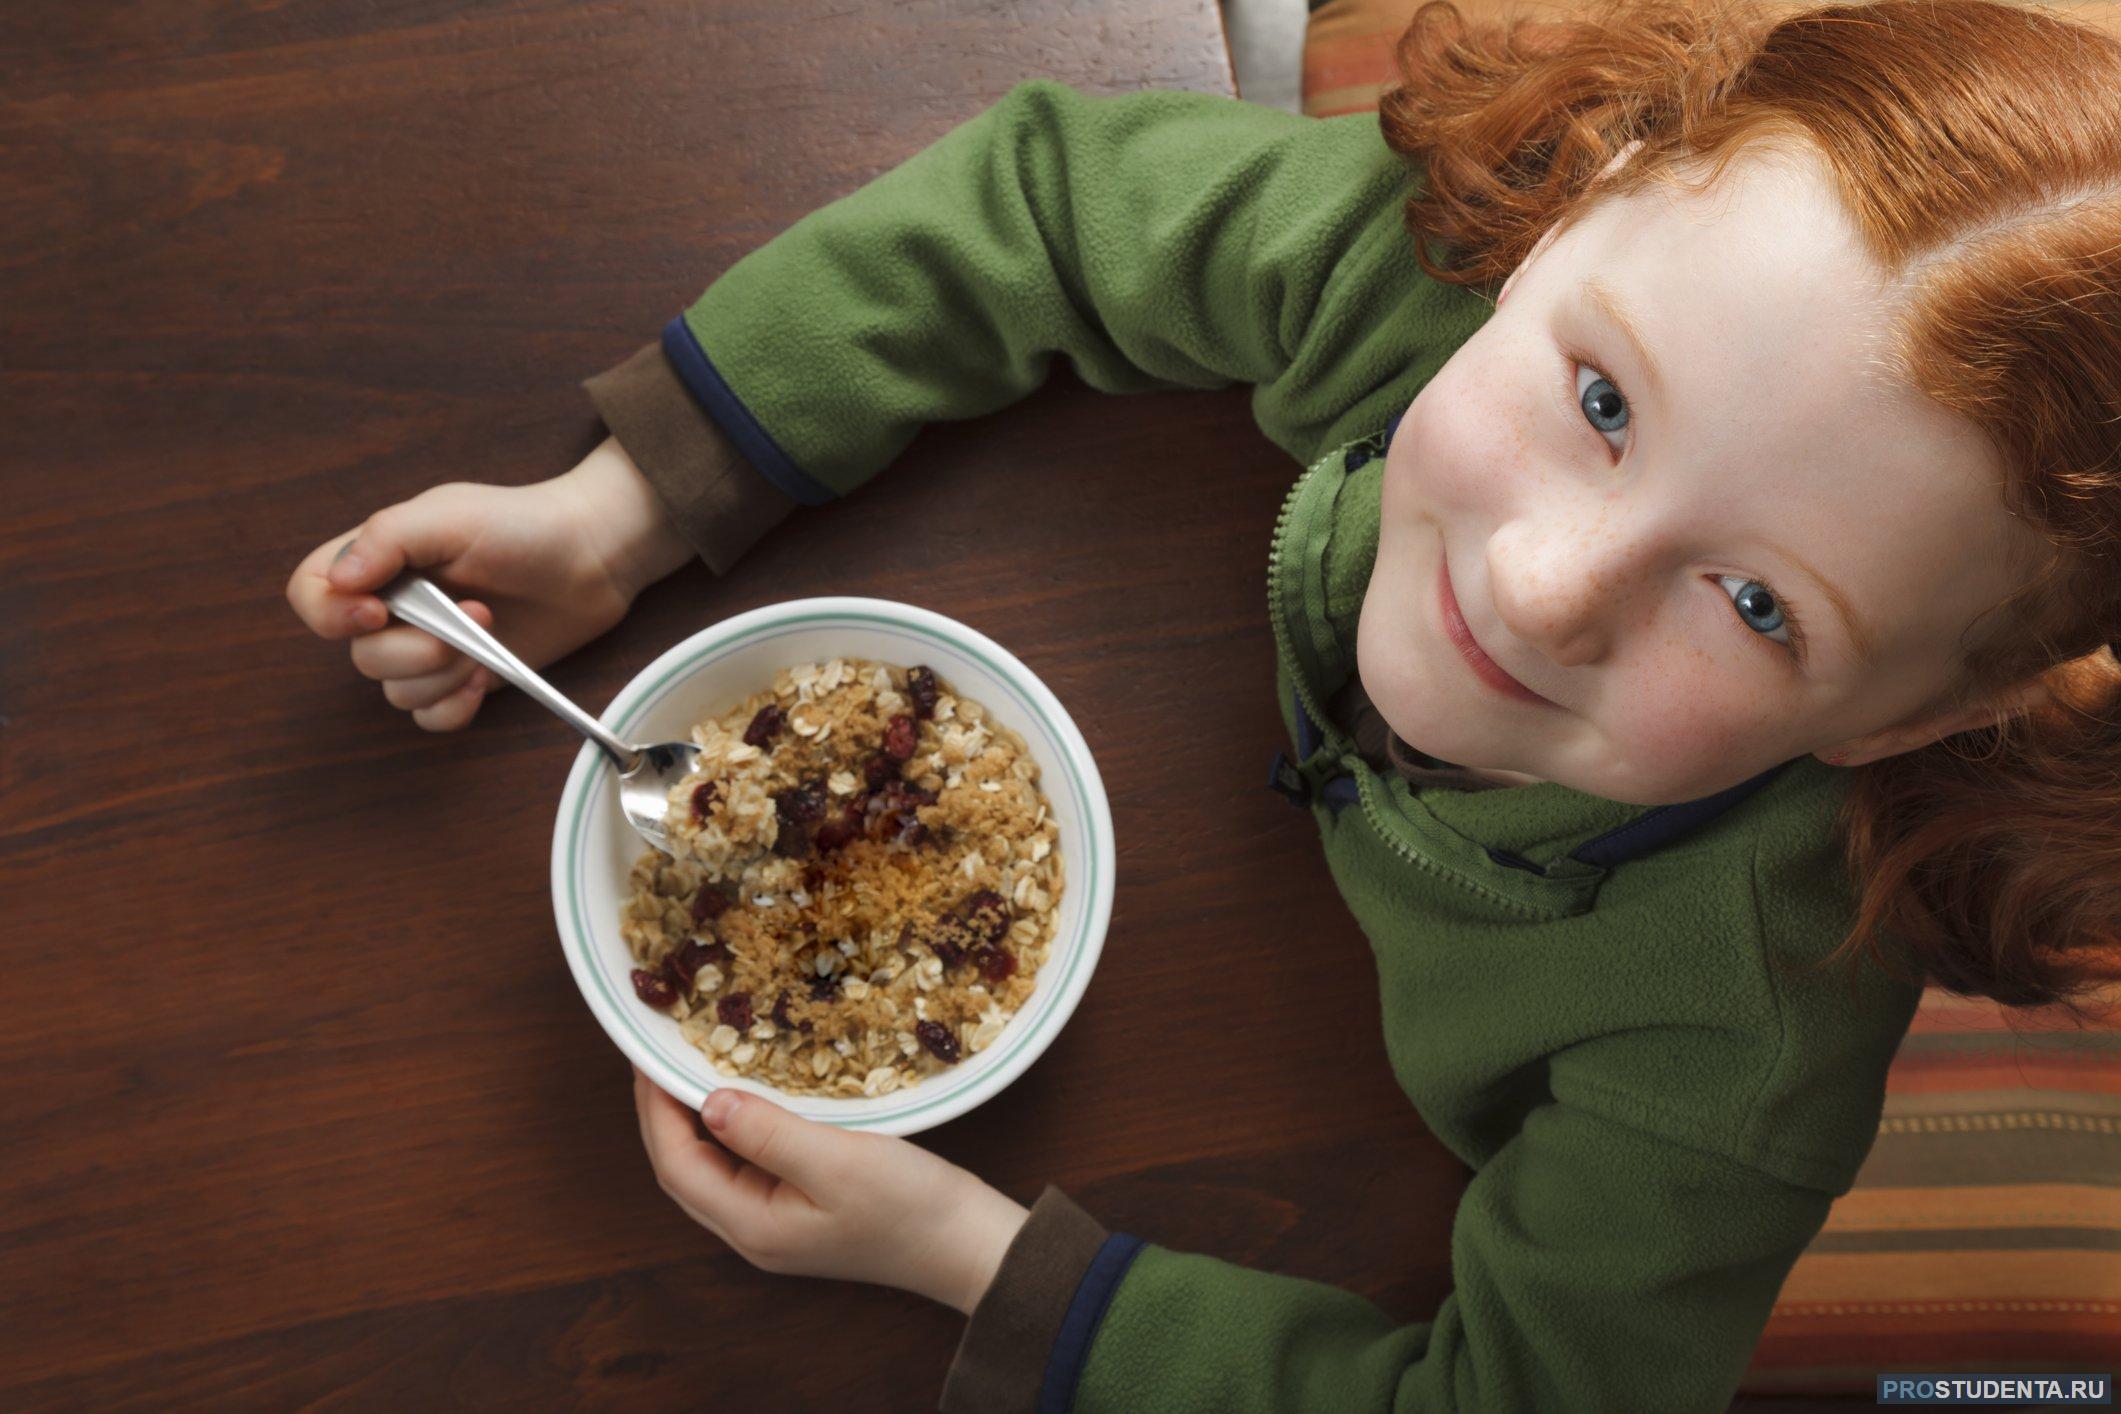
{"x":593,"y":847}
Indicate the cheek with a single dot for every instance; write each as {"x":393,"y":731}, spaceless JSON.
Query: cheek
{"x":1688,"y":717}
{"x":1463,"y":448}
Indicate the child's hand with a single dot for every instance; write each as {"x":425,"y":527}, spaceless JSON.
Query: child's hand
{"x":551,"y":566}
{"x":795,"y":1196}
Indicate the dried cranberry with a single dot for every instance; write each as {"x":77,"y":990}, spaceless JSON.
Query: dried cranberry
{"x":900,"y":737}
{"x":937,"y":1038}
{"x":735,"y":1010}
{"x":813,"y":879}
{"x":890,"y":812}
{"x":716,"y":952}
{"x":920,"y":686}
{"x":703,"y":798}
{"x":904,"y":795}
{"x":710,"y":902}
{"x":654,"y":990}
{"x":781,"y":1017}
{"x":996,"y":964}
{"x":688,"y":957}
{"x":824,"y":987}
{"x":792,"y":842}
{"x":764,"y":725}
{"x":987,"y":914}
{"x":877,"y":770}
{"x":944,"y":947}
{"x":801,"y":804}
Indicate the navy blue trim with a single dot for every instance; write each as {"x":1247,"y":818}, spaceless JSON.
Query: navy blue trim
{"x":1359,"y":457}
{"x":1308,"y":736}
{"x":1340,"y":792}
{"x":1092,"y":1295}
{"x":1664,"y":823}
{"x":700,"y":377}
{"x":1287,"y":780}
{"x":1503,"y":856}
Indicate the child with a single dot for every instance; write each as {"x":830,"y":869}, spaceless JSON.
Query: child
{"x":1723,"y":621}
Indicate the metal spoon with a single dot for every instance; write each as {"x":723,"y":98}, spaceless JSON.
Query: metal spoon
{"x":646,"y":773}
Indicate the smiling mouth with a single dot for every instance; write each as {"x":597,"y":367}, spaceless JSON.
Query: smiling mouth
{"x":1485,"y":668}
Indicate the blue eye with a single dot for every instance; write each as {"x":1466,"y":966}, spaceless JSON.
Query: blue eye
{"x":1757,"y":607}
{"x":1604,"y":406}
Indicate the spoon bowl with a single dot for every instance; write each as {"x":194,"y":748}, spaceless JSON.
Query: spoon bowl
{"x":644,"y":791}
{"x":647,"y":774}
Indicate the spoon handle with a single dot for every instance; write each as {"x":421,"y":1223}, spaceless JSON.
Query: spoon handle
{"x":422,"y":603}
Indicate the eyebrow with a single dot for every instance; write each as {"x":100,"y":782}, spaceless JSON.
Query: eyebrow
{"x":1852,"y":623}
{"x":1599,"y":297}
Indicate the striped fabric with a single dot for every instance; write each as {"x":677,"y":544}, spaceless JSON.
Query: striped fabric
{"x":1984,"y":1232}
{"x":1348,"y":47}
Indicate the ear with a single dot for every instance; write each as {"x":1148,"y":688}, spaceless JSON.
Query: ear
{"x":1935,"y":726}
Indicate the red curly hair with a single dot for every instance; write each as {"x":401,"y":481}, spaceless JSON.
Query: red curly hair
{"x":1977,"y":146}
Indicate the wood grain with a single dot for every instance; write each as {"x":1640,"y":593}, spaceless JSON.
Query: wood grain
{"x":298,"y":1103}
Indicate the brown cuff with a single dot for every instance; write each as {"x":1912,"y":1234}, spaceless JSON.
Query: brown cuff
{"x":1001,"y":1360}
{"x":720,"y":502}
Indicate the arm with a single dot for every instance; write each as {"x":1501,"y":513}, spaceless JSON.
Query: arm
{"x":1595,"y":1267}
{"x":1158,"y":240}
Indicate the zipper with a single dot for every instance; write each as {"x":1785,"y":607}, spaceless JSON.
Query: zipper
{"x":1366,"y":791}
{"x":1367,"y":786}
{"x":1282,"y":645}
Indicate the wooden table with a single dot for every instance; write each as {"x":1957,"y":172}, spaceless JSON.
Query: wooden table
{"x":298,"y":1101}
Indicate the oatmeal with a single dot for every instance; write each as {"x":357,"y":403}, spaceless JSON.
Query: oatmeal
{"x":865,"y":884}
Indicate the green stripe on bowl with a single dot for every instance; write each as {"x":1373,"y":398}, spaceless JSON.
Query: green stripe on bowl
{"x":705,"y":657}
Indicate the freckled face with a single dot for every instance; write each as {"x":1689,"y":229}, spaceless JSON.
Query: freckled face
{"x":1639,"y":550}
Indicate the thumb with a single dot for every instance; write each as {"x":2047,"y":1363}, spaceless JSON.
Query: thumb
{"x":431,"y":528}
{"x":779,"y":1141}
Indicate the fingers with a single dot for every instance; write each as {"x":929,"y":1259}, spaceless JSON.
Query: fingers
{"x":732,"y":1197}
{"x":431,"y":528}
{"x":425,"y":676}
{"x":334,"y":588}
{"x":328,"y":611}
{"x":683,"y":1162}
{"x":808,"y":1154}
{"x":666,"y":1130}
{"x":429,"y":688}
{"x":454,"y":712}
{"x":402,"y":651}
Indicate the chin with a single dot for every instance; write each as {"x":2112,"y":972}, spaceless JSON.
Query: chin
{"x":1408,"y":695}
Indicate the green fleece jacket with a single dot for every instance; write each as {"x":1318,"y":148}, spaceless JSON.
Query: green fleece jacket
{"x":1611,"y":1012}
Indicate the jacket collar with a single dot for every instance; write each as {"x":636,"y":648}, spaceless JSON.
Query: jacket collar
{"x":1542,"y":847}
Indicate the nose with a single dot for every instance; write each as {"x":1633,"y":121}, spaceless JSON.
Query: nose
{"x":1561,"y":582}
